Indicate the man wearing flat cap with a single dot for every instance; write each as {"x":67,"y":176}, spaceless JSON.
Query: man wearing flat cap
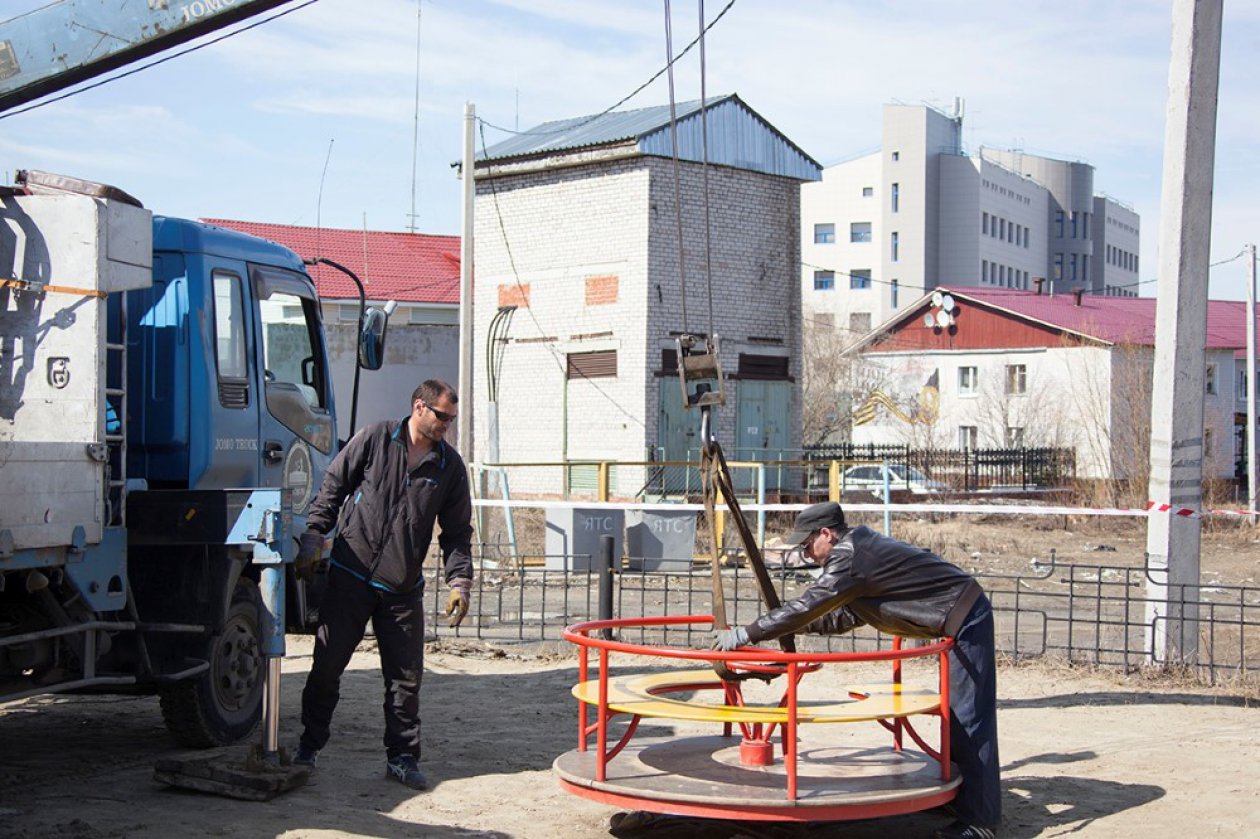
{"x":871,"y":579}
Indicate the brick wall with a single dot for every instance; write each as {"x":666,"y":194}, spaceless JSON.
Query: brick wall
{"x":596,"y":246}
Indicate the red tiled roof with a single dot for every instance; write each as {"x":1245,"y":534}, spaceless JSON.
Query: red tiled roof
{"x":407,"y":267}
{"x":1119,"y":320}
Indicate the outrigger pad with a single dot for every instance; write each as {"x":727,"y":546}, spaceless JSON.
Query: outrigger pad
{"x":250,"y":779}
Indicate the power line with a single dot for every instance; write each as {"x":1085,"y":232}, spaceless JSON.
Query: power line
{"x":100,"y":82}
{"x":499,"y":215}
{"x":625,"y":98}
{"x":1000,"y":290}
{"x":1156,"y":279}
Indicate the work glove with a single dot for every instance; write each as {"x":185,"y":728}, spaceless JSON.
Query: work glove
{"x":310,"y":552}
{"x":457,"y":603}
{"x":728,"y":639}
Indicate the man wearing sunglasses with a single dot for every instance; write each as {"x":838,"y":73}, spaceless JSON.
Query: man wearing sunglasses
{"x":385,"y":491}
{"x":868,"y":578}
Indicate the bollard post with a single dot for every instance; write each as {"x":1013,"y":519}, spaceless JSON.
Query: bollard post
{"x":606,"y":582}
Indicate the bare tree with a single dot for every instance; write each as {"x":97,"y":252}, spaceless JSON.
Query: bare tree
{"x":1113,"y":406}
{"x":1016,"y":401}
{"x":834,"y":382}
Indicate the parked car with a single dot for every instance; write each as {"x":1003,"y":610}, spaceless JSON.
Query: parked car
{"x":900,"y":479}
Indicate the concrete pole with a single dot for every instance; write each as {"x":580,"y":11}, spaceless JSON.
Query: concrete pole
{"x":1251,"y":383}
{"x":466,"y":287}
{"x":1172,"y":541}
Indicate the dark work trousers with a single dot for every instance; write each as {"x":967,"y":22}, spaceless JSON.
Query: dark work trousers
{"x":973,"y":737}
{"x":398,"y":621}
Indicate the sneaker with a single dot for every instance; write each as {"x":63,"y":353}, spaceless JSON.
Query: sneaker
{"x":306,"y":757}
{"x":962,"y":830}
{"x":405,"y":770}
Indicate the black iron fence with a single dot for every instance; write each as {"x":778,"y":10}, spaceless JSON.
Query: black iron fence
{"x":965,"y":469}
{"x":1096,"y":615}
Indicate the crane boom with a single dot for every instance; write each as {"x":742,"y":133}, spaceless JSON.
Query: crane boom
{"x":63,"y":43}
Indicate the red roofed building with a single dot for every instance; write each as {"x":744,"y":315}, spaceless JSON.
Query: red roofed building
{"x":976,"y":367}
{"x":420,"y":272}
{"x":407,"y":267}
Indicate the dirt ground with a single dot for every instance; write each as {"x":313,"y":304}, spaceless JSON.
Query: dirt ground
{"x":1082,"y":752}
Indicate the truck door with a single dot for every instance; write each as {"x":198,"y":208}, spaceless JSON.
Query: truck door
{"x":232,"y":417}
{"x":296,"y":425}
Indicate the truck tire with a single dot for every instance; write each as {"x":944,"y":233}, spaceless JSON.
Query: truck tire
{"x":224,"y":704}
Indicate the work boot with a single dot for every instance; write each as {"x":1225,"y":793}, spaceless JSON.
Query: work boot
{"x":305,"y":756}
{"x":405,"y":770}
{"x":962,"y":830}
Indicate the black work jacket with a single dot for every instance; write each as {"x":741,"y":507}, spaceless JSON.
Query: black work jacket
{"x":387,"y":512}
{"x":871,"y":579}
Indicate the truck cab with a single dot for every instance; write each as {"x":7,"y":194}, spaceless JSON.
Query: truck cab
{"x":165,"y":422}
{"x":228,"y":348}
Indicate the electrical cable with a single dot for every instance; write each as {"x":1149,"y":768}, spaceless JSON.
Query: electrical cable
{"x":704,"y":169}
{"x":673,"y":139}
{"x":516,"y":276}
{"x":621,"y":101}
{"x":998,"y":289}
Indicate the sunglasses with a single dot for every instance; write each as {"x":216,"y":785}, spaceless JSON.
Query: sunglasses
{"x":442,"y":416}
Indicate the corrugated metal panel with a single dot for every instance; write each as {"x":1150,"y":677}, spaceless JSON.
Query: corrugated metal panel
{"x":976,"y":328}
{"x":754,"y":366}
{"x":738,"y":137}
{"x":590,"y":130}
{"x":600,"y":364}
{"x":583,"y":478}
{"x":408,"y":267}
{"x":1008,"y":318}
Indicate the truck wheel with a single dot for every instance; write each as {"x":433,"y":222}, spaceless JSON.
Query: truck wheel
{"x":223,"y":705}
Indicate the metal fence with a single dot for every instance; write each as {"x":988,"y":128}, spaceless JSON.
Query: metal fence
{"x":760,"y":475}
{"x":967,"y":469}
{"x":1084,"y":614}
{"x":754,"y":472}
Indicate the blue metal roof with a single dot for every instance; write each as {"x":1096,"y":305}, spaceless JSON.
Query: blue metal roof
{"x":738,"y":137}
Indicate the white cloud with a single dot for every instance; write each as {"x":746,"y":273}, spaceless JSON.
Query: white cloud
{"x":395,"y":109}
{"x":1083,"y":79}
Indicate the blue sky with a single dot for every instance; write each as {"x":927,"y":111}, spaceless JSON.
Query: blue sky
{"x":242,"y":128}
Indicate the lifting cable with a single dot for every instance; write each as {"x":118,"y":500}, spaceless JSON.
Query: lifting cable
{"x":714,"y":471}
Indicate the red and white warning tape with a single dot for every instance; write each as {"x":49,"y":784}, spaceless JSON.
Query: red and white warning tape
{"x":1152,"y":508}
{"x":1156,"y":507}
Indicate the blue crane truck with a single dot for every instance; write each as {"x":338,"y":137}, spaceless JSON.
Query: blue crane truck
{"x":166,"y":415}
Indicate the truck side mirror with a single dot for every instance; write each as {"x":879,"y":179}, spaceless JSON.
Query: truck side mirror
{"x":372,"y":338}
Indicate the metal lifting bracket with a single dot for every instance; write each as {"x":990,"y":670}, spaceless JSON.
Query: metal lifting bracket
{"x":699,"y":372}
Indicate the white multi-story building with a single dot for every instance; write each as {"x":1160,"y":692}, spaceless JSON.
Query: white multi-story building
{"x":880,"y":230}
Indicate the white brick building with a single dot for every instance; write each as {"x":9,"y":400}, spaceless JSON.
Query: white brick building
{"x":576,"y":225}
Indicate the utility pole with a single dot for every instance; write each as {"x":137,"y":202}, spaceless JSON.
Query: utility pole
{"x":1176,"y":487}
{"x":466,"y":288}
{"x":1251,"y":383}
